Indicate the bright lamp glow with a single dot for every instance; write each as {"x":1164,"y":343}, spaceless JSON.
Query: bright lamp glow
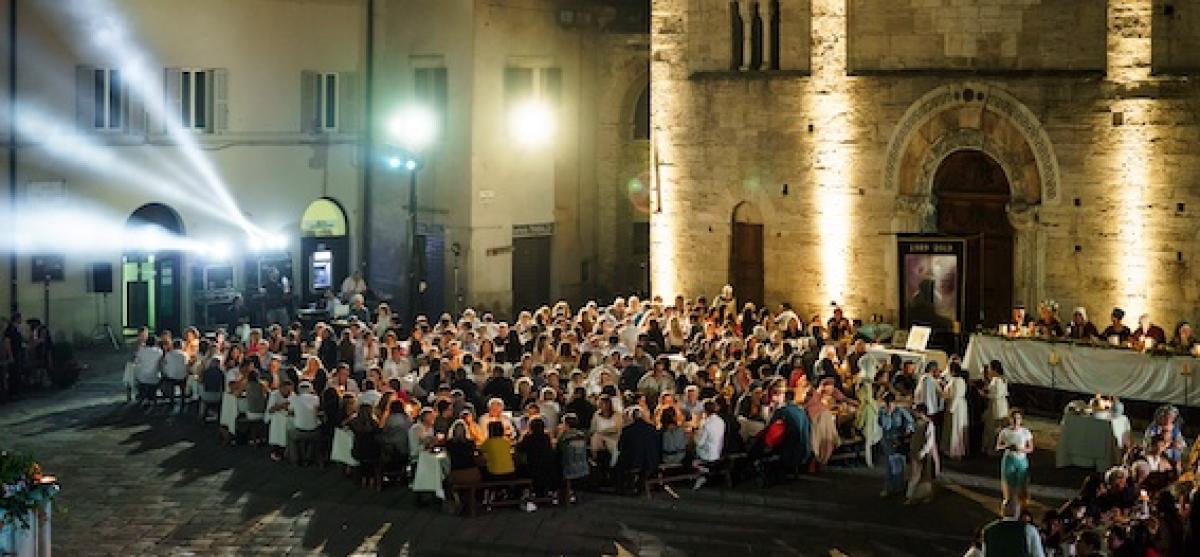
{"x":394,"y":162}
{"x":410,"y":164}
{"x":218,"y":250}
{"x":413,"y":128}
{"x":532,"y":124}
{"x":277,"y":241}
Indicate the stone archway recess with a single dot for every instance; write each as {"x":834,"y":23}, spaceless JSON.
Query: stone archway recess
{"x":982,"y":117}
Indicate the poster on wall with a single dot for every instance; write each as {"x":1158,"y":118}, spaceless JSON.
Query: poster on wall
{"x":931,"y":281}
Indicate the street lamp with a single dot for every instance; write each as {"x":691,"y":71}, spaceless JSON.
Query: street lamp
{"x":412,"y":129}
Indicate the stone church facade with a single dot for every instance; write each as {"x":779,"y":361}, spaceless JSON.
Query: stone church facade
{"x":811,"y":133}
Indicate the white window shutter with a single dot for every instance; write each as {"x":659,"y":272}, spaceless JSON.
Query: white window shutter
{"x":85,"y":97}
{"x":308,"y":102}
{"x":172,"y":102}
{"x":135,"y":114}
{"x":347,"y":102}
{"x":219,"y":117}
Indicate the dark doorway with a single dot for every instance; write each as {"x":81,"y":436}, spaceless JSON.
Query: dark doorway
{"x":530,"y":273}
{"x":431,"y":248}
{"x":151,"y":277}
{"x":746,"y":255}
{"x":972,"y":194}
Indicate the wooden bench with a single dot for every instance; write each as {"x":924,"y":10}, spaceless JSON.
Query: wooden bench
{"x":667,"y":474}
{"x":470,"y":492}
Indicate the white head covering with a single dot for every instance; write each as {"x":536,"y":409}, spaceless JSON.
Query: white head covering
{"x":1083,"y":312}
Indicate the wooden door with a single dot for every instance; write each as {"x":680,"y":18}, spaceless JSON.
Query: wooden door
{"x":746,"y":263}
{"x":973,"y":195}
{"x":530,"y":273}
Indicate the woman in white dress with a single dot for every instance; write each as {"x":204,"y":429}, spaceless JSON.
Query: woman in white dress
{"x":996,"y":392}
{"x":1017,"y":443}
{"x":956,"y":428}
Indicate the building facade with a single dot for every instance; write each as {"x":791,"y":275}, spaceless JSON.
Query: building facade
{"x":795,"y":141}
{"x":210,"y":119}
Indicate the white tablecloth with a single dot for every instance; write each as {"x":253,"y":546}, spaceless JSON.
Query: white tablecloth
{"x":277,"y":433}
{"x":26,"y":542}
{"x":1087,"y":369}
{"x":1091,"y":442}
{"x":432,"y":469}
{"x":229,"y":412}
{"x":343,"y":447}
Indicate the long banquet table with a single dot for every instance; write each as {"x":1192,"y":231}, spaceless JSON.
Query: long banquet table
{"x":1088,"y":369}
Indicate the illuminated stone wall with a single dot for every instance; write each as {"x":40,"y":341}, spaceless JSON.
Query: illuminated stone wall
{"x":1103,"y":162}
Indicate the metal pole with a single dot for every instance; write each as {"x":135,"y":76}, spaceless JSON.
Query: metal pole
{"x":13,"y":304}
{"x":412,"y":246}
{"x":368,"y":164}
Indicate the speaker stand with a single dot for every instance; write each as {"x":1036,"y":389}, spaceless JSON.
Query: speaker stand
{"x":104,"y":331}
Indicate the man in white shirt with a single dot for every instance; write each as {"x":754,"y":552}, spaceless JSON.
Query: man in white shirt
{"x":146,"y":370}
{"x":371,"y":396}
{"x":929,"y":393}
{"x":174,"y":372}
{"x":278,"y":404}
{"x":710,"y":440}
{"x":304,"y":407}
{"x":354,"y":284}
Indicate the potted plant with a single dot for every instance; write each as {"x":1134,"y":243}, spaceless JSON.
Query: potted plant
{"x":25,"y":496}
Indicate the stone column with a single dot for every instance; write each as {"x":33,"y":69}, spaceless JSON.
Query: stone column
{"x":1028,"y":253}
{"x":748,"y":9}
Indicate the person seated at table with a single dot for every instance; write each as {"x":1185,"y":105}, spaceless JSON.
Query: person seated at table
{"x":256,"y":406}
{"x":1019,"y":321}
{"x":1048,"y":324}
{"x":278,"y":406}
{"x":305,"y":407}
{"x":497,"y":454}
{"x":839,"y":326}
{"x":394,"y":437}
{"x":495,"y":413}
{"x":1119,"y":492}
{"x":674,"y":439}
{"x":637,"y":447}
{"x":1156,"y":456}
{"x":463,"y":454}
{"x":905,"y":382}
{"x":1080,"y":328}
{"x":367,"y":449}
{"x":1146,"y":330}
{"x":540,"y":460}
{"x":342,"y":380}
{"x":1166,"y":424}
{"x":710,"y":440}
{"x":353,"y":285}
{"x":1185,"y":337}
{"x":1116,"y":328}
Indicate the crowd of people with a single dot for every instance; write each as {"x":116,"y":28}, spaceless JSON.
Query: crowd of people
{"x":1147,"y":506}
{"x":26,"y":354}
{"x":604,"y":397}
{"x":1147,"y":336}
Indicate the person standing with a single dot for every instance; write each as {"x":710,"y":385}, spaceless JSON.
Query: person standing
{"x":1017,"y":443}
{"x":894,"y":424}
{"x":1010,"y":536}
{"x":957,"y":423}
{"x":996,"y":391}
{"x":928,"y":391}
{"x":922,"y":458}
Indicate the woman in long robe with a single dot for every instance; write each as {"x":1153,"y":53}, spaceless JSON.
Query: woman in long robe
{"x":958,"y":420}
{"x":1017,"y":443}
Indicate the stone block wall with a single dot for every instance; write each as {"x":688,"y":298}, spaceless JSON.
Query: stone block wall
{"x":1123,"y":231}
{"x":964,"y":34}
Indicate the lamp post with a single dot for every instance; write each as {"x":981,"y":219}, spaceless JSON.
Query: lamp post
{"x":413,"y":129}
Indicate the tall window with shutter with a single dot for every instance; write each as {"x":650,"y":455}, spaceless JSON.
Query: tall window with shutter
{"x":198,"y":98}
{"x":101,"y":100}
{"x":326,"y":100}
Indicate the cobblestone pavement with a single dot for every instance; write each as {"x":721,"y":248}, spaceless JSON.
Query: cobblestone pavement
{"x":139,"y":482}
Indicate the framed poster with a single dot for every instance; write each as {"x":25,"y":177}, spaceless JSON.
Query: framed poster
{"x":932,"y":281}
